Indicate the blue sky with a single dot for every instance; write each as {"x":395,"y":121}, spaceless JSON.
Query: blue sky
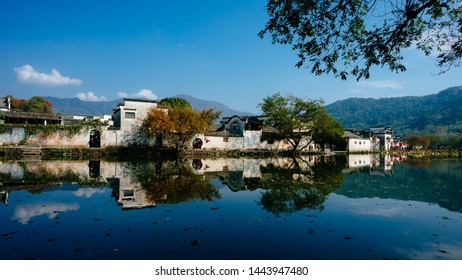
{"x":103,"y":50}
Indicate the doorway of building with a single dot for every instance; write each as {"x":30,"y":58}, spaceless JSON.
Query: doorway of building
{"x":94,"y":167}
{"x":95,"y":139}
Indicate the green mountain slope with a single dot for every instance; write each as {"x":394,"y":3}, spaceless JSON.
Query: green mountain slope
{"x":437,"y":113}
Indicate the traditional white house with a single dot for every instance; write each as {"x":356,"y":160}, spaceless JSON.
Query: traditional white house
{"x":245,"y":133}
{"x":129,"y":114}
{"x":399,"y":143}
{"x":385,"y":134}
{"x":357,"y":141}
{"x":5,"y":104}
{"x":374,"y":139}
{"x":126,"y":119}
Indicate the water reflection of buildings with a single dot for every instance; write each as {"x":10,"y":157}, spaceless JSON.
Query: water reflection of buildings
{"x":372,"y":163}
{"x":36,"y":176}
{"x":236,"y":173}
{"x":244,"y":173}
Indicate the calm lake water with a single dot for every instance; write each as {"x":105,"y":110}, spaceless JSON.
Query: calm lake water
{"x":356,"y":207}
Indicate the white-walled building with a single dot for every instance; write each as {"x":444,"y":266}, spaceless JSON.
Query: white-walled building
{"x":357,"y":142}
{"x":245,"y":133}
{"x":5,"y":104}
{"x":127,"y":118}
{"x":385,"y":134}
{"x":374,"y":139}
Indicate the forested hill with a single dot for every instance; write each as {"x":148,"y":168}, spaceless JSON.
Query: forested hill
{"x":431,"y":114}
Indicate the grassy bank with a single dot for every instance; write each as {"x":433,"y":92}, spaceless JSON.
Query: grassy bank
{"x":416,"y":154}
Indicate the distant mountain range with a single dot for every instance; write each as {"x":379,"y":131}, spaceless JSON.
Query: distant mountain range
{"x":439,"y":113}
{"x":200,"y":104}
{"x":76,"y":106}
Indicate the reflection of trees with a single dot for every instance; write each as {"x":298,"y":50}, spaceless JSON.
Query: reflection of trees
{"x":291,"y":190}
{"x":169,"y":182}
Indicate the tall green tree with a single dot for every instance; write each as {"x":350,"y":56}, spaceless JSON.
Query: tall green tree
{"x":349,"y":37}
{"x":327,"y":130}
{"x":37,"y":104}
{"x":293,"y":117}
{"x":175,"y":102}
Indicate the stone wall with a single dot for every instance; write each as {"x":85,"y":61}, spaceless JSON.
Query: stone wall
{"x":109,"y":137}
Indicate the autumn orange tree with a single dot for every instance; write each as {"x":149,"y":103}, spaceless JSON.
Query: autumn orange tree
{"x":179,"y":124}
{"x":418,"y":141}
{"x":36,"y":104}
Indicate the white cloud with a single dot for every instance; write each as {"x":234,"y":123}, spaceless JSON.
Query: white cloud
{"x":28,"y":74}
{"x":24,"y":213}
{"x":143,"y":94}
{"x":387,"y":84}
{"x":88,"y":192}
{"x":90,"y":96}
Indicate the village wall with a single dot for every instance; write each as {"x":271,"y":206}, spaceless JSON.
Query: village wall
{"x":12,"y":136}
{"x":120,"y":138}
{"x":60,"y":139}
{"x":14,"y":169}
{"x":220,"y":142}
{"x":252,"y":139}
{"x":109,"y":137}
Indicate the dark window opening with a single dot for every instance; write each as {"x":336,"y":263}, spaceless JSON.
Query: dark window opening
{"x":130,"y":115}
{"x":95,"y":139}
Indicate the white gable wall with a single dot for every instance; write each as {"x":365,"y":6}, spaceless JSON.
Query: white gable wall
{"x":359,"y":145}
